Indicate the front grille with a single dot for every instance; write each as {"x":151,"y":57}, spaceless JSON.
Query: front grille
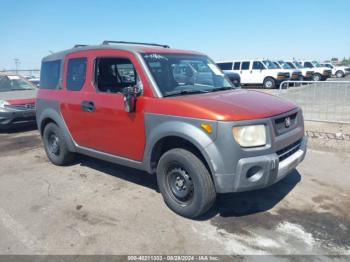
{"x":288,"y":150}
{"x":23,"y":107}
{"x":327,"y":72}
{"x":283,"y":125}
{"x":309,"y":73}
{"x":283,"y":75}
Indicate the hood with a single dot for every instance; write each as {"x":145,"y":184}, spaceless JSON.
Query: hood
{"x":19,"y":96}
{"x":225,"y":105}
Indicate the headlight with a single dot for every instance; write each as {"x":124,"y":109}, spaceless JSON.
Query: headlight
{"x":3,"y":103}
{"x":250,"y":136}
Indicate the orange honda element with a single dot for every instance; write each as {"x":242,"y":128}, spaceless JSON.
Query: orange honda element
{"x":171,"y":113}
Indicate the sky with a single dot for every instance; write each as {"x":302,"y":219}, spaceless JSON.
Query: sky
{"x":223,"y":29}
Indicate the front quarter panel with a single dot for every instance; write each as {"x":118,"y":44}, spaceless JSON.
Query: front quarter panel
{"x":160,"y":126}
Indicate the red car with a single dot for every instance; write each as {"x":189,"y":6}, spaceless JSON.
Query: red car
{"x":169,"y":112}
{"x":17,"y":101}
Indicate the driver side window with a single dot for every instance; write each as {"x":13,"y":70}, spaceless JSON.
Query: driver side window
{"x":112,"y":75}
{"x":257,"y":65}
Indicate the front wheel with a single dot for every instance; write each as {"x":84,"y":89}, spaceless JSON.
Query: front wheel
{"x":185,"y":183}
{"x":317,"y":77}
{"x":269,"y":83}
{"x":339,"y":74}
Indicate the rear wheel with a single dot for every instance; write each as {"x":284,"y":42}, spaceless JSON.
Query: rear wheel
{"x":317,"y":77}
{"x":269,"y":83}
{"x":339,"y":74}
{"x":185,"y":183}
{"x":55,"y":146}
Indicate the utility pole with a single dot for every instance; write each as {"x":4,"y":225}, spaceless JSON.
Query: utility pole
{"x":17,"y":62}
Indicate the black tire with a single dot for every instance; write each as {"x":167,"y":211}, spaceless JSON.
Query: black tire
{"x":269,"y":83}
{"x":185,"y":183}
{"x":55,"y":146}
{"x":317,"y":77}
{"x":339,"y":74}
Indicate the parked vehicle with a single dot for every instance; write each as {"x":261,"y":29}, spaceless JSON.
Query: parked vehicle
{"x":17,"y":101}
{"x":338,"y":71}
{"x":321,"y":73}
{"x":295,"y":73}
{"x":35,"y":81}
{"x":199,"y":139}
{"x":256,"y":72}
{"x":234,"y":78}
{"x":306,"y":72}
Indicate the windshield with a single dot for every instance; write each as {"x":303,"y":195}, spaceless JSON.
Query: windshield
{"x":285,"y":65}
{"x":179,"y":74}
{"x":315,"y":63}
{"x":269,"y":64}
{"x":9,"y":83}
{"x":299,"y":65}
{"x":277,"y":64}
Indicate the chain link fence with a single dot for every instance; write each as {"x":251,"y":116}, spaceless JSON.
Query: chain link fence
{"x":327,"y":101}
{"x":23,"y":72}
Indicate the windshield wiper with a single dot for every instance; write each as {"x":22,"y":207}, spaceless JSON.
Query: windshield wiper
{"x":185,"y":92}
{"x":16,"y":89}
{"x":221,"y":88}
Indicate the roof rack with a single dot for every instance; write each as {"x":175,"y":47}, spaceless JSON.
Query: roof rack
{"x":76,"y":46}
{"x":133,"y":43}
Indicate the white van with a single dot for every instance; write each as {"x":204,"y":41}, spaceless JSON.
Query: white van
{"x":256,"y":72}
{"x":295,"y":74}
{"x":306,"y":72}
{"x":321,"y":73}
{"x":338,"y":71}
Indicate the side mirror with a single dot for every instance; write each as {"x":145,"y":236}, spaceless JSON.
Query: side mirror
{"x":129,"y":99}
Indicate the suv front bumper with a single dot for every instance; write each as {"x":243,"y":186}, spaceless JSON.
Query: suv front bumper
{"x":16,"y":118}
{"x":261,"y":171}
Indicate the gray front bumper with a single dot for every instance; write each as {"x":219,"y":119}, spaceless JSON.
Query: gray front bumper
{"x":259,"y":171}
{"x":8,"y":119}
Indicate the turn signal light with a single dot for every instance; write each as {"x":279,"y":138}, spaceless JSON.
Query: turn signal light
{"x":207,"y":127}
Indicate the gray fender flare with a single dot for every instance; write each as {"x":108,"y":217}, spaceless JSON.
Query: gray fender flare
{"x":193,"y":134}
{"x":56,"y":117}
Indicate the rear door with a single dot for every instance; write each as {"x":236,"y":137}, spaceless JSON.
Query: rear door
{"x":96,"y":118}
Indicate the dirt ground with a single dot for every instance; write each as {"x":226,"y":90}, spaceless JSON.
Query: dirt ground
{"x":94,"y":207}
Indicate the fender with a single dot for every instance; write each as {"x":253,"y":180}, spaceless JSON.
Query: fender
{"x":47,"y":109}
{"x":161,"y":126}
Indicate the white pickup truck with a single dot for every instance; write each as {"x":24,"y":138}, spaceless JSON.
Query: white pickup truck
{"x":306,"y":72}
{"x":338,"y":71}
{"x":295,"y":73}
{"x":321,"y":73}
{"x":256,"y":72}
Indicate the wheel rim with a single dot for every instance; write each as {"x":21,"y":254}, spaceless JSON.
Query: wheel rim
{"x":53,"y":144}
{"x":317,"y":78}
{"x":339,"y":75}
{"x":180,"y":185}
{"x":268,"y":84}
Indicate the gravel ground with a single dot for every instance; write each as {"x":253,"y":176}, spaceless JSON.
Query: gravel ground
{"x":93,"y":207}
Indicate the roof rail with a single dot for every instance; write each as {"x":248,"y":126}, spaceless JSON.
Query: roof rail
{"x":132,"y":43}
{"x":76,"y":46}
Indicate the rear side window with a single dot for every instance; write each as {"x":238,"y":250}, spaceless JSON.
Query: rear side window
{"x":225,"y":66}
{"x":245,"y":65}
{"x":50,"y":74}
{"x":237,"y":66}
{"x":76,"y":73}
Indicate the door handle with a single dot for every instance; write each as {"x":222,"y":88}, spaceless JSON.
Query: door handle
{"x":88,"y":106}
